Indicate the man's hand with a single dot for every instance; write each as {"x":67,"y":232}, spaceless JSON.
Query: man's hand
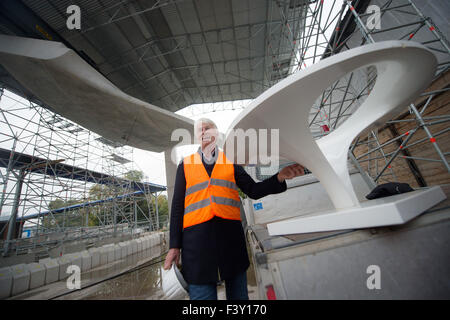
{"x":172,"y":256}
{"x":289,"y":172}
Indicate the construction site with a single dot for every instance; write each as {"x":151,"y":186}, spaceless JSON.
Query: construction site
{"x":76,"y":102}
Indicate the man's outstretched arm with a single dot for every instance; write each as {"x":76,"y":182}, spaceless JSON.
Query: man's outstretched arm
{"x":272,"y":185}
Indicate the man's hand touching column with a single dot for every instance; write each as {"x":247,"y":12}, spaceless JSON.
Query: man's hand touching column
{"x":289,"y":172}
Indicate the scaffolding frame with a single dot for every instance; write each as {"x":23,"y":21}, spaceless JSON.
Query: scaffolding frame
{"x":438,"y":44}
{"x":330,"y":32}
{"x":29,"y":129}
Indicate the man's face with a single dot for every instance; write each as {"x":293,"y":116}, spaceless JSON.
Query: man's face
{"x":206,"y":134}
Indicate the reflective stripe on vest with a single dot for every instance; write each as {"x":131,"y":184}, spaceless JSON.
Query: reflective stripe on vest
{"x":206,"y":196}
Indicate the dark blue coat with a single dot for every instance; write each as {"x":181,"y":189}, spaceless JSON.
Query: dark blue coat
{"x":216,"y":248}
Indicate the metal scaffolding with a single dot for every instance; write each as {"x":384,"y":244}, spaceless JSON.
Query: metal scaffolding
{"x":65,"y":183}
{"x":416,"y":27}
{"x":312,"y":32}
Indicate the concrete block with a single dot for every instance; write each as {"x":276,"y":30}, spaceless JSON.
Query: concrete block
{"x":111,"y":256}
{"x":152,"y":240}
{"x":139,"y":245}
{"x":103,"y":255}
{"x":145,"y":243}
{"x":95,"y":257}
{"x":21,"y":279}
{"x":86,"y":261}
{"x":123,"y":249}
{"x":124,"y":245}
{"x":51,"y":269}
{"x":37,"y":274}
{"x":133,"y":246}
{"x":75,"y":258}
{"x":64,"y":263}
{"x":117,"y":252}
{"x":42,"y":261}
{"x":130,"y":247}
{"x":6,"y":282}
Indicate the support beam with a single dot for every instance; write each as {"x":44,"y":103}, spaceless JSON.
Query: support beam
{"x":171,"y":171}
{"x":157,"y":213}
{"x":15,"y":209}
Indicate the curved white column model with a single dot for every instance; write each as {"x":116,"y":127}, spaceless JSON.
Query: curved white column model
{"x":70,"y":86}
{"x":404,"y":70}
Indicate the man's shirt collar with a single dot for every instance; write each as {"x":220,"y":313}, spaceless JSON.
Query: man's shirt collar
{"x":214,"y":154}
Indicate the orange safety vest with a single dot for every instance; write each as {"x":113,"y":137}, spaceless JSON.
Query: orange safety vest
{"x":207,"y":196}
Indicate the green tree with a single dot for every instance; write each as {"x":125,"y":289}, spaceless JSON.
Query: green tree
{"x":99,"y":192}
{"x":145,"y":207}
{"x":69,"y":218}
{"x":134,"y":175}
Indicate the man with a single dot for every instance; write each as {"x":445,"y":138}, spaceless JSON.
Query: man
{"x":205,"y":217}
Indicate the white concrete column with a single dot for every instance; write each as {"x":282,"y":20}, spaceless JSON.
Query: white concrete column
{"x":171,"y":171}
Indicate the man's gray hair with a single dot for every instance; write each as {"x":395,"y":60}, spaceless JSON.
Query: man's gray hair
{"x":199,"y":122}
